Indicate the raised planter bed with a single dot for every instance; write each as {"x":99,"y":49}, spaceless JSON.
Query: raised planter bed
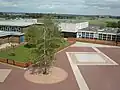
{"x":13,"y":62}
{"x":24,"y":65}
{"x":3,"y":60}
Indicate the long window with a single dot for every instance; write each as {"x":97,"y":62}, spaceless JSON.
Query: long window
{"x":91,"y":35}
{"x":113,"y":37}
{"x":100,"y":36}
{"x":87,"y":35}
{"x":83,"y":34}
{"x":118,"y":37}
{"x":104,"y":36}
{"x":109,"y":37}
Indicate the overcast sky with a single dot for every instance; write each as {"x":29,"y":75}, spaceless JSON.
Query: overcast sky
{"x":82,"y":7}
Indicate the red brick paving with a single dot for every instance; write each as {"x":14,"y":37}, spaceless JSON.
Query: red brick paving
{"x":103,"y":77}
{"x":97,"y":77}
{"x":16,"y":80}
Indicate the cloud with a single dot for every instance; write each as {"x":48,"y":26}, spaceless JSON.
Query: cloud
{"x":8,"y":4}
{"x":62,"y":6}
{"x":113,"y":4}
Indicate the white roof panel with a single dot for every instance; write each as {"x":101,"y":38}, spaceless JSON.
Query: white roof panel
{"x":72,"y":27}
{"x":13,"y":23}
{"x":21,"y":22}
{"x":68,"y":27}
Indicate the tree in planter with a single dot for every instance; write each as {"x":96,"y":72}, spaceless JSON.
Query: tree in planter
{"x":43,"y":54}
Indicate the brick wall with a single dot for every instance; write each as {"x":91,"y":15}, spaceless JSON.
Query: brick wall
{"x":13,"y":62}
{"x":94,"y":41}
{"x":3,"y":40}
{"x":16,"y":39}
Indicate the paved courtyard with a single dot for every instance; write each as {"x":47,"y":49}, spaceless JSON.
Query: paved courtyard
{"x":89,"y":67}
{"x":98,"y":70}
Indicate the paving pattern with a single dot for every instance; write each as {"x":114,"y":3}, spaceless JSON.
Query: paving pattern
{"x":90,"y":58}
{"x":88,"y":77}
{"x":4,"y":74}
{"x":101,"y":77}
{"x":16,"y":80}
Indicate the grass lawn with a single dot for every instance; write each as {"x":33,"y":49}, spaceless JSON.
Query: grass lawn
{"x":101,"y":21}
{"x":22,"y":54}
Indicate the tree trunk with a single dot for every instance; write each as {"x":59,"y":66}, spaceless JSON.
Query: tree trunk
{"x":45,"y":71}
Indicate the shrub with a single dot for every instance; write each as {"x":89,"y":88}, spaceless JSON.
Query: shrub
{"x":29,"y":45}
{"x":11,"y":54}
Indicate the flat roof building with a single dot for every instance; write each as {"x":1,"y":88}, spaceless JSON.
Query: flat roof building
{"x":71,"y":29}
{"x":16,"y":25}
{"x":84,"y":30}
{"x":109,"y":34}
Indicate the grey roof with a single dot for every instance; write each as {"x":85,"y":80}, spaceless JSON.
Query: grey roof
{"x":6,"y":33}
{"x":110,"y":30}
{"x":21,"y":22}
{"x":4,"y":23}
{"x":97,"y":29}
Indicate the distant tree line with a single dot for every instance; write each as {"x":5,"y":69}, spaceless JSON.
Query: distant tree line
{"x":12,"y":15}
{"x":113,"y":24}
{"x":35,"y":15}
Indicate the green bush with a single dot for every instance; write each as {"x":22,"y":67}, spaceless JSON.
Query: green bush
{"x":11,"y":54}
{"x":29,"y":45}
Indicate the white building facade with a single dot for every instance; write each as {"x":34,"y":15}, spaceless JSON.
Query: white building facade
{"x":71,"y":29}
{"x":83,"y":30}
{"x":97,"y":35}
